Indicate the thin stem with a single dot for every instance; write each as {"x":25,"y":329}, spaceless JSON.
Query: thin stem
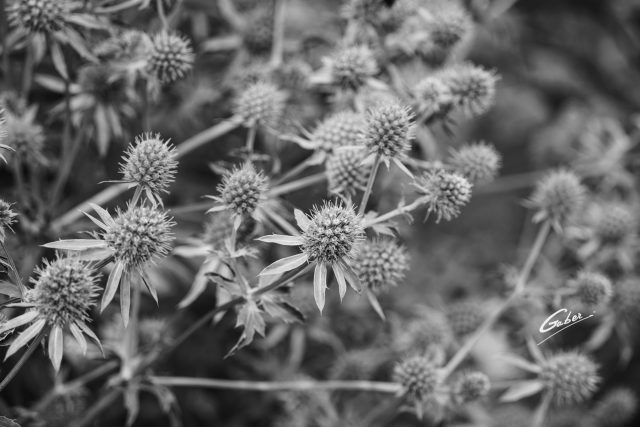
{"x":69,"y":157}
{"x":131,"y":332}
{"x":369,"y":188}
{"x":277,"y":47}
{"x":23,"y":359}
{"x":297,"y":185}
{"x":294,"y":171}
{"x":231,"y":15}
{"x":4,"y":28}
{"x":541,"y":411}
{"x":251,"y":137}
{"x":27,"y":72}
{"x":523,"y":277}
{"x":371,"y":386}
{"x":401,"y":210}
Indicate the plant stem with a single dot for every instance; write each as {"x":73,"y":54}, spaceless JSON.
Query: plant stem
{"x":369,"y":188}
{"x":396,"y":212}
{"x":251,"y":137}
{"x":296,"y":170}
{"x":131,"y":332}
{"x":523,"y":277}
{"x":23,"y":359}
{"x":27,"y":72}
{"x":541,"y":411}
{"x":277,"y":47}
{"x":297,"y":185}
{"x":371,"y":386}
{"x":4,"y":31}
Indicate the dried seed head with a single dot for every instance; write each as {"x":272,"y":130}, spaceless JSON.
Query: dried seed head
{"x":170,"y":58}
{"x":352,"y":66}
{"x":261,"y":103}
{"x":616,"y":408}
{"x":615,"y":222}
{"x":478,"y":162}
{"x":421,"y":335}
{"x":418,"y":376}
{"x":381,"y":264}
{"x":332,"y":233}
{"x":570,"y":378}
{"x":433,"y":96}
{"x":64,"y":291}
{"x":593,"y":290}
{"x":139,"y":235}
{"x":346,"y":172}
{"x":38,"y":16}
{"x":557,"y":197}
{"x":472,"y":88}
{"x":465,"y":317}
{"x":341,"y":129}
{"x":7,"y":216}
{"x":447,"y":191}
{"x":470,"y":386}
{"x":242,"y":188}
{"x":389,"y":129}
{"x":150,"y":162}
{"x":626,"y":299}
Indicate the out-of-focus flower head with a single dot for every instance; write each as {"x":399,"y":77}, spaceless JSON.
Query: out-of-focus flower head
{"x":261,"y":103}
{"x":351,"y":66}
{"x":342,"y":129}
{"x":478,"y":162}
{"x":470,"y":386}
{"x":465,"y":316}
{"x":557,"y":197}
{"x":433,"y":98}
{"x":24,"y":136}
{"x":472,"y":88}
{"x":381,"y":264}
{"x":591,"y":290}
{"x":420,"y":379}
{"x":257,"y":34}
{"x":569,"y":378}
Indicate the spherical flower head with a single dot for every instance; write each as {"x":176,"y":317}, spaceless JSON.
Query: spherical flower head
{"x":170,"y":57}
{"x":342,"y":129}
{"x":362,"y":11}
{"x":139,"y":235}
{"x":64,"y":291}
{"x":242,"y":189}
{"x":447,"y":193}
{"x":353,"y":65}
{"x":465,"y":317}
{"x":570,"y":378}
{"x":418,"y":376}
{"x":616,"y":408}
{"x":7,"y":215}
{"x":615,"y":222}
{"x":470,"y":386}
{"x":433,"y":96}
{"x":357,"y":364}
{"x":558,"y":197}
{"x":381,"y":264}
{"x":449,"y":27}
{"x":24,"y":136}
{"x":38,"y":16}
{"x":261,"y":103}
{"x":472,"y":88}
{"x":346,"y":171}
{"x":593,"y":290}
{"x":478,"y":162}
{"x":150,"y":162}
{"x":332,"y":233}
{"x":389,"y":129}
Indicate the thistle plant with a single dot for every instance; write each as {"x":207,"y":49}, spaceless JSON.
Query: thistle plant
{"x":241,"y":191}
{"x":352,"y":66}
{"x":446,"y":193}
{"x":170,"y":57}
{"x":478,"y":162}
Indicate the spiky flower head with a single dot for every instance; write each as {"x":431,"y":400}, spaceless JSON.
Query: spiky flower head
{"x":389,"y":129}
{"x":24,"y":136}
{"x":170,"y":58}
{"x":418,"y":376}
{"x":351,"y":66}
{"x":261,"y":103}
{"x":38,"y":16}
{"x":64,"y":291}
{"x":341,"y":129}
{"x":242,"y":189}
{"x":470,"y":386}
{"x":558,"y":197}
{"x":150,"y":163}
{"x":615,"y":222}
{"x":381,"y":264}
{"x":592,"y":290}
{"x":139,"y":235}
{"x":465,"y":316}
{"x":447,"y":193}
{"x":346,"y":171}
{"x":569,"y":377}
{"x":450,"y":26}
{"x":472,"y":88}
{"x":616,"y":408}
{"x":478,"y":162}
{"x":332,"y":233}
{"x":128,"y":45}
{"x":433,"y":97}
{"x":7,"y":217}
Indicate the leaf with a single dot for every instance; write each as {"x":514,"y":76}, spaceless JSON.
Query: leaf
{"x":285,"y":264}
{"x":95,"y":221}
{"x":103,"y":214}
{"x":520,"y":363}
{"x":27,"y":335}
{"x":320,"y":285}
{"x":58,"y":60}
{"x":79,"y":337}
{"x":56,"y":347}
{"x":250,"y":316}
{"x":131,"y":403}
{"x":6,"y":422}
{"x":521,"y":390}
{"x":301,"y":219}
{"x":112,"y":285}
{"x":282,"y":239}
{"x":125,"y":298}
{"x":281,"y":310}
{"x":88,"y":332}
{"x":17,"y":321}
{"x":150,"y":288}
{"x":76,"y":244}
{"x":375,"y":304}
{"x":352,"y":277}
{"x":342,"y":283}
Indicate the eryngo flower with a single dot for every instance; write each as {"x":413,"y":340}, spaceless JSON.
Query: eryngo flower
{"x":389,"y":130}
{"x":64,"y":292}
{"x":446,"y":193}
{"x":7,"y":218}
{"x":470,"y":386}
{"x":351,"y":66}
{"x":420,"y":379}
{"x":557,"y":197}
{"x":472,"y":88}
{"x":241,"y":191}
{"x":261,"y":103}
{"x":170,"y":57}
{"x":591,"y":289}
{"x":134,"y":239}
{"x":329,"y":237}
{"x":478,"y":162}
{"x":342,"y":129}
{"x":346,"y":170}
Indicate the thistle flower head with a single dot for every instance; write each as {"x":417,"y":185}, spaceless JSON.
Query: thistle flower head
{"x":7,"y":216}
{"x":353,"y":65}
{"x":616,"y":408}
{"x":472,"y":88}
{"x":418,"y":376}
{"x":557,"y":197}
{"x":470,"y":386}
{"x":346,"y":171}
{"x":433,"y":96}
{"x":170,"y":57}
{"x":615,"y":222}
{"x":261,"y":103}
{"x":341,"y":129}
{"x":150,"y":162}
{"x":38,"y":16}
{"x":139,"y":235}
{"x":381,"y":264}
{"x":64,"y":291}
{"x":592,"y":289}
{"x":626,"y":299}
{"x":447,"y":193}
{"x":429,"y":331}
{"x":478,"y":162}
{"x":389,"y":129}
{"x":129,"y":45}
{"x":569,"y":377}
{"x":242,"y":189}
{"x":450,"y":25}
{"x":465,"y":317}
{"x":332,"y":233}
{"x":24,"y":136}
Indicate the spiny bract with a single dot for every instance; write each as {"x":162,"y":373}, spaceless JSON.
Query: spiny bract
{"x":170,"y":58}
{"x":570,"y":378}
{"x":150,"y":162}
